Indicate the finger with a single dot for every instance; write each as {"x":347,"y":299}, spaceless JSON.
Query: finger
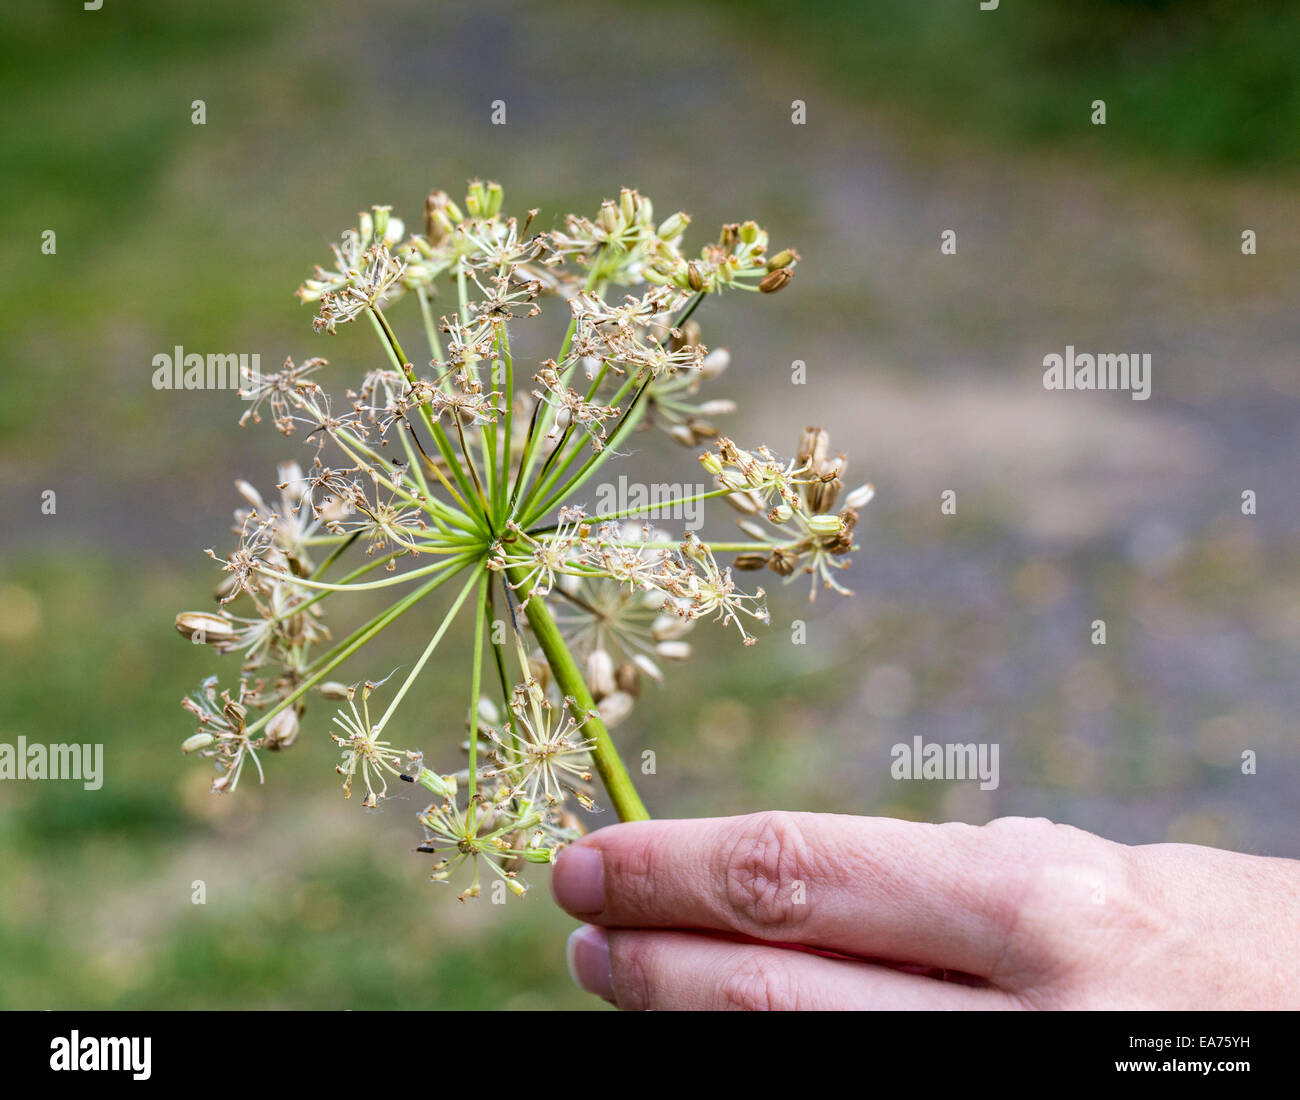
{"x":637,"y":969}
{"x":933,"y":895}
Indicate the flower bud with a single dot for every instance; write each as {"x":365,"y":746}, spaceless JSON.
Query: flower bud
{"x":516,"y":887}
{"x":203,"y":628}
{"x":711,"y":462}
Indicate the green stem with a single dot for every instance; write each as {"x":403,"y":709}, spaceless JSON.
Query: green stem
{"x":613,"y":773}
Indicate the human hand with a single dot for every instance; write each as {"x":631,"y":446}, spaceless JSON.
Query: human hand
{"x":823,"y":911}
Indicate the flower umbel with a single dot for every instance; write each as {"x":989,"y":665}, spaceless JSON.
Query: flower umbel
{"x":463,"y":465}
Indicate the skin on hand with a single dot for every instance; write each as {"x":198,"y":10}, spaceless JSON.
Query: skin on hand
{"x":822,"y":911}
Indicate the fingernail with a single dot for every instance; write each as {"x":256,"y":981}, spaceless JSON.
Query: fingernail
{"x":578,"y":881}
{"x":587,"y":953}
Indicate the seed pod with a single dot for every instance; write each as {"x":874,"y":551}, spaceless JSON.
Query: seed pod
{"x":694,"y":278}
{"x":282,"y":730}
{"x":667,"y":627}
{"x":571,"y":822}
{"x":203,"y":628}
{"x":721,"y":406}
{"x":674,"y":650}
{"x":674,"y":225}
{"x":702,"y":429}
{"x":812,"y":448}
{"x":860,"y":496}
{"x":628,"y":676}
{"x":784,"y":258}
{"x":783,"y":562}
{"x":332,"y":689}
{"x":776,"y":280}
{"x":683,"y":435}
{"x":686,"y":336}
{"x":821,"y":494}
{"x":600,"y":674}
{"x":715,"y":363}
{"x":745,"y":502}
{"x":627,"y":203}
{"x":750,"y":561}
{"x":250,"y":494}
{"x":614,"y":708}
{"x":197,"y":741}
{"x":648,"y":667}
{"x":824,"y":524}
{"x":611,"y":221}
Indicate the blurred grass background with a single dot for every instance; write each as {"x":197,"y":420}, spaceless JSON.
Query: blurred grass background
{"x":926,"y":369}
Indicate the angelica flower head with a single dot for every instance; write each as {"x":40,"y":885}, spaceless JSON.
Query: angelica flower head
{"x":453,"y":474}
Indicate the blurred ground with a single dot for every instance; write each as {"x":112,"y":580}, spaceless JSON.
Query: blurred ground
{"x":926,"y":368}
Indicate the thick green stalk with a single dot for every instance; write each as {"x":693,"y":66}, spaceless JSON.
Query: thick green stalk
{"x":618,"y":783}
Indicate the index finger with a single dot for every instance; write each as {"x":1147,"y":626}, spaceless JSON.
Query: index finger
{"x":930,"y":895}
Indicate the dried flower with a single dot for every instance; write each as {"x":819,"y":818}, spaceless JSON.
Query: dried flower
{"x":467,"y":467}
